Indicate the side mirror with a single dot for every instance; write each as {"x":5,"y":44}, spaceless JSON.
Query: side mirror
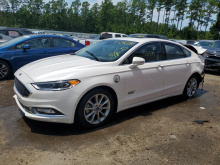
{"x":26,"y":47}
{"x":137,"y":61}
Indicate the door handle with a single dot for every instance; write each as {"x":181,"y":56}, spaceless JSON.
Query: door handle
{"x":159,"y":66}
{"x":187,"y":63}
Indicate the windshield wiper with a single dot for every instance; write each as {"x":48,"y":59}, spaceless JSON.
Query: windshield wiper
{"x":93,"y":56}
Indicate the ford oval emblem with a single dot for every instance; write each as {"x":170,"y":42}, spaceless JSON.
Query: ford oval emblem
{"x":20,"y":74}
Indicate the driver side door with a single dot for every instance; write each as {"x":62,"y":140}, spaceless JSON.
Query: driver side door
{"x":144,"y":82}
{"x":39,"y":48}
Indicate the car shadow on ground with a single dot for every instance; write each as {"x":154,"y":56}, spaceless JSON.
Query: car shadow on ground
{"x":57,"y":129}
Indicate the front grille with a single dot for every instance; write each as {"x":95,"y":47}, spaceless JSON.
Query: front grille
{"x":21,"y":88}
{"x":210,"y":62}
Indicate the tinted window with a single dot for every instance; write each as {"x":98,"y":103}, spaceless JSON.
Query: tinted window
{"x":186,"y":52}
{"x":136,"y":36}
{"x":150,"y":36}
{"x":63,"y":43}
{"x":3,"y":32}
{"x":103,"y":36}
{"x":1,"y":37}
{"x":173,"y":51}
{"x":29,"y":32}
{"x":150,"y":52}
{"x":13,"y":33}
{"x":117,"y":35}
{"x":35,"y":43}
{"x":216,"y":44}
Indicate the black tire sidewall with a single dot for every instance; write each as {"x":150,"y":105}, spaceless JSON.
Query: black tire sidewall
{"x":9,"y":70}
{"x":79,"y":117}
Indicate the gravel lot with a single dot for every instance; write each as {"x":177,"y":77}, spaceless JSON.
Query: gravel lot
{"x":163,"y":132}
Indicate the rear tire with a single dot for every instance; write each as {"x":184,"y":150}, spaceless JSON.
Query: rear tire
{"x":5,"y":70}
{"x":191,"y":87}
{"x":95,"y":108}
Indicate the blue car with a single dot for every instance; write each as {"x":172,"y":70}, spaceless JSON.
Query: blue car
{"x":25,"y":49}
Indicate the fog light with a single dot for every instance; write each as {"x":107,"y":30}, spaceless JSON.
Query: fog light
{"x":46,"y":110}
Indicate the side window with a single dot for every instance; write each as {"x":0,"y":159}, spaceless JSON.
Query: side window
{"x":1,"y":37}
{"x":173,"y":51}
{"x":3,"y":32}
{"x":62,"y":43}
{"x":35,"y":43}
{"x":13,"y":33}
{"x":124,"y":36}
{"x":150,"y":52}
{"x":117,"y":35}
{"x":186,"y":52}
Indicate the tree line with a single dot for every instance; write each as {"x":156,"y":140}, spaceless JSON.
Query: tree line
{"x":127,"y":16}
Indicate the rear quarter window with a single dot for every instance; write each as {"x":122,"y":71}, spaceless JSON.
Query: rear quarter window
{"x":186,"y":52}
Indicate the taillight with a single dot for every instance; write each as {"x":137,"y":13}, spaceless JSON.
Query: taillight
{"x":87,"y":43}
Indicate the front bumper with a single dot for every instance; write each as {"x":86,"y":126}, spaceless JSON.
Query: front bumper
{"x":63,"y":102}
{"x":212,"y":64}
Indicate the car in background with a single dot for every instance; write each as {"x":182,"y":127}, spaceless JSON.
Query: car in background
{"x":14,"y":32}
{"x":212,"y":57}
{"x":4,"y":38}
{"x":103,"y":35}
{"x":38,"y":32}
{"x":28,"y":48}
{"x":191,"y":42}
{"x":107,"y":77}
{"x":147,"y":36}
{"x":203,"y":43}
{"x":183,"y":42}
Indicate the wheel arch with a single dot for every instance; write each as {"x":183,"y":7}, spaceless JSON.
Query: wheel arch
{"x":105,"y":87}
{"x":1,"y":59}
{"x":199,"y":77}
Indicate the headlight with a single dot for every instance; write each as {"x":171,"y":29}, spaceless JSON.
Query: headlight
{"x":55,"y":85}
{"x":217,"y":53}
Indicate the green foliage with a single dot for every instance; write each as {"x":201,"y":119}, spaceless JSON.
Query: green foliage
{"x":128,"y":16}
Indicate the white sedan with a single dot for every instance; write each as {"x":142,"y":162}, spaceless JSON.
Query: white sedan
{"x":106,"y":77}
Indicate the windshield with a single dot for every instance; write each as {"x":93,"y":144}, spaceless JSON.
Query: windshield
{"x":107,"y":50}
{"x":203,"y":43}
{"x":29,"y":32}
{"x":216,"y":44}
{"x":106,"y":35}
{"x":137,"y":36}
{"x":13,"y":41}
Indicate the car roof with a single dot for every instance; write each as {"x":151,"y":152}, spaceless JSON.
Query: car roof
{"x":44,"y":35}
{"x":140,"y":40}
{"x":9,"y":28}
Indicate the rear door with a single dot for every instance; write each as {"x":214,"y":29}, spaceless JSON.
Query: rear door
{"x":63,"y":46}
{"x":177,"y":68}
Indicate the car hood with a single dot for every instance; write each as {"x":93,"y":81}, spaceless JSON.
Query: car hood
{"x":60,"y":68}
{"x":210,"y":49}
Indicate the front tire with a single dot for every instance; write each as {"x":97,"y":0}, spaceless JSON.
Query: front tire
{"x":95,"y":109}
{"x":191,"y":87}
{"x":5,"y":70}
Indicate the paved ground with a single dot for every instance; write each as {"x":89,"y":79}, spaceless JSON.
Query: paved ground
{"x":158,"y":133}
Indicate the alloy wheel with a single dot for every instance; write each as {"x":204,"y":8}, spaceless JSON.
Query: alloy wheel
{"x":191,"y":87}
{"x":3,"y":70}
{"x":97,"y":109}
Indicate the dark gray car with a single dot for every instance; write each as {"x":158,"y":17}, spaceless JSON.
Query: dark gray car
{"x":14,"y":32}
{"x":212,"y":57}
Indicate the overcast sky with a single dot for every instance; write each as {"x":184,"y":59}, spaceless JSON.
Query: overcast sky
{"x":92,"y":2}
